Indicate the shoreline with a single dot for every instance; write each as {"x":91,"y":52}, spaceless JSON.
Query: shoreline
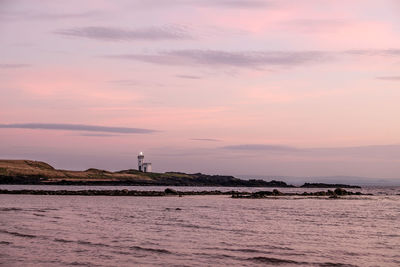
{"x":141,"y":183}
{"x":41,"y":173}
{"x":172,"y":192}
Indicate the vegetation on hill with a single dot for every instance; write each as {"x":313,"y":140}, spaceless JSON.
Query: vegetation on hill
{"x":36,"y":172}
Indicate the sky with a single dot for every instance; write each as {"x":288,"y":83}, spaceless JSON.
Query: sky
{"x":238,"y":87}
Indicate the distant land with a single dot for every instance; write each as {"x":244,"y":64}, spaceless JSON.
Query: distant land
{"x":299,"y":180}
{"x":37,"y":172}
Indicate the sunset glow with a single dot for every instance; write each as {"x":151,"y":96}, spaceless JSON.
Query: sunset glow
{"x":225,"y":87}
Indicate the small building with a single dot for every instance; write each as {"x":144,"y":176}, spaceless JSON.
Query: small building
{"x":143,"y":166}
{"x":146,"y":167}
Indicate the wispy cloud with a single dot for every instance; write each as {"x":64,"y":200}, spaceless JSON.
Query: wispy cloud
{"x":118,"y":34}
{"x":224,"y":58}
{"x":233,"y":3}
{"x":13,"y":66}
{"x":99,"y":135}
{"x":9,"y":15}
{"x":205,"y":139}
{"x":78,"y":127}
{"x":389,"y":78}
{"x":238,"y":4}
{"x":391,"y":152}
{"x":190,"y":77}
{"x":373,"y":52}
{"x":250,"y":59}
{"x":260,"y":147}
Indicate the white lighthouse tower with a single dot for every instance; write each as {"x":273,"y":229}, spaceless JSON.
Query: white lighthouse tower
{"x":140,"y":159}
{"x":142,"y":166}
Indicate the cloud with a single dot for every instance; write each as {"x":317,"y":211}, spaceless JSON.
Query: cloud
{"x":223,"y":58}
{"x":360,"y":149}
{"x":260,"y":147}
{"x":56,"y":16}
{"x":13,"y":66}
{"x":32,"y":15}
{"x":117,"y":34}
{"x":373,"y":52}
{"x":191,"y":77}
{"x":238,"y":4}
{"x":205,"y":139}
{"x":249,"y":59}
{"x":233,"y":3}
{"x":99,"y":135}
{"x":391,"y":152}
{"x":77,"y":127}
{"x":389,"y":78}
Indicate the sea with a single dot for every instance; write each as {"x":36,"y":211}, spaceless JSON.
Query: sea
{"x":51,"y":230}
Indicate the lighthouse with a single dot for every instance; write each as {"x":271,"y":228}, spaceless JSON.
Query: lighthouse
{"x":140,"y":159}
{"x":142,"y":166}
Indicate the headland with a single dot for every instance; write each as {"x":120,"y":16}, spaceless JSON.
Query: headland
{"x":37,"y":172}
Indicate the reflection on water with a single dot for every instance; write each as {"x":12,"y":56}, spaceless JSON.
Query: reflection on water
{"x":198,"y":231}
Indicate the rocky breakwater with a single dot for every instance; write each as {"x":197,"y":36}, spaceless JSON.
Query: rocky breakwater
{"x":338,"y":192}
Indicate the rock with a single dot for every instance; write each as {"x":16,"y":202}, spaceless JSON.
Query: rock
{"x":170,"y":191}
{"x":276,"y":192}
{"x":340,"y":192}
{"x":323,"y":185}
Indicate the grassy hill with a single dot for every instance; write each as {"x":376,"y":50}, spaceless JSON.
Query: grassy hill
{"x":36,"y":172}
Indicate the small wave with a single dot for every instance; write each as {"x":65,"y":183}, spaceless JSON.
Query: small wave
{"x":273,"y":247}
{"x":5,"y":243}
{"x":77,"y":263}
{"x":245,"y":250}
{"x":10,"y":209}
{"x":17,"y":234}
{"x":81,"y":242}
{"x":218,"y":256}
{"x":276,"y":261}
{"x":63,"y":240}
{"x":157,"y":250}
{"x":336,"y":264}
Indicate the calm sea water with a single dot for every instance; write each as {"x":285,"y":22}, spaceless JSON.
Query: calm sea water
{"x":199,"y":231}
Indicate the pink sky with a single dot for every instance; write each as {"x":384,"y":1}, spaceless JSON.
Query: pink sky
{"x":241,"y":87}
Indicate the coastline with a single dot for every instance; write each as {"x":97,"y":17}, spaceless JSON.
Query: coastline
{"x":28,"y":172}
{"x":171,"y":192}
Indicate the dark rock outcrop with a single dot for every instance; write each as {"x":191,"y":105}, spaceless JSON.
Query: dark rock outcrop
{"x":323,"y":185}
{"x":170,"y":191}
{"x":265,"y":194}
